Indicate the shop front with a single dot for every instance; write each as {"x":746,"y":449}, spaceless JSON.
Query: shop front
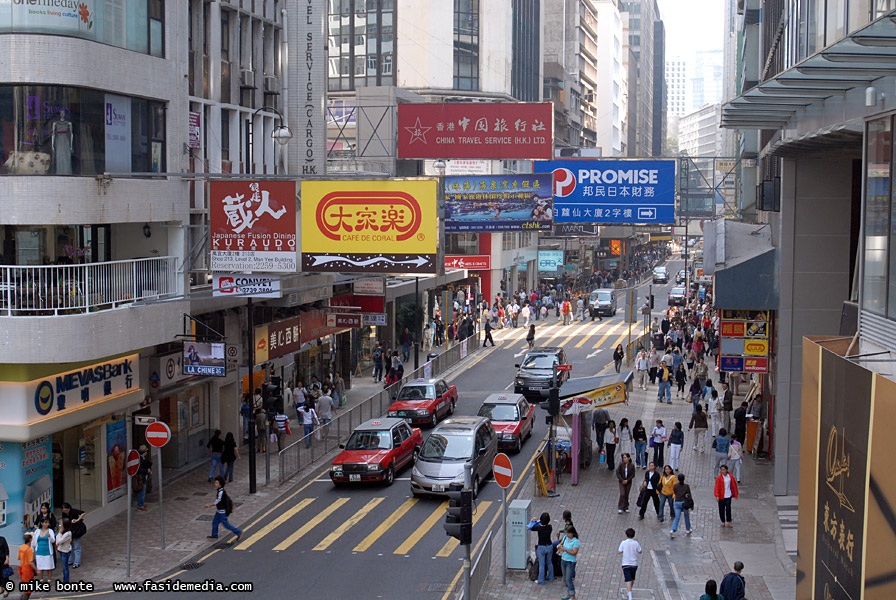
{"x":64,"y":438}
{"x":324,"y":349}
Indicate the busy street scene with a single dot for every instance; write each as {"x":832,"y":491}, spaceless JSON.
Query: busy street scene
{"x":448,"y":299}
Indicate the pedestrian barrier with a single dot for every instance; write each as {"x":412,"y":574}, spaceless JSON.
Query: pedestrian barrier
{"x":481,"y":566}
{"x":310,"y":448}
{"x":542,"y":473}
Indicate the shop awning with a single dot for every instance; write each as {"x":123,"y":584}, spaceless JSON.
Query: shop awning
{"x":855,"y":61}
{"x":743,"y":262}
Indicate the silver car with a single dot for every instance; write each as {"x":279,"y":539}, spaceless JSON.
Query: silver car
{"x":454,"y":442}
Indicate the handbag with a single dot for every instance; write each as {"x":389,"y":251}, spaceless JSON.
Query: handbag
{"x":7,"y":572}
{"x":688,"y":503}
{"x":642,"y":498}
{"x":650,"y":442}
{"x":137,"y":482}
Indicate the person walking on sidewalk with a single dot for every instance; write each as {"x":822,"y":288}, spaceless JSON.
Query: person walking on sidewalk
{"x":309,"y":421}
{"x":618,"y":355}
{"x":658,"y":435}
{"x":64,"y":546}
{"x":733,"y":585}
{"x":676,"y":441}
{"x":735,"y":457}
{"x":338,"y":390}
{"x":629,"y":550}
{"x":682,"y":493}
{"x":681,"y":379}
{"x":664,"y":377}
{"x":44,"y":545}
{"x":701,"y":372}
{"x":653,"y":363}
{"x":27,"y":564}
{"x":610,"y":441}
{"x":740,"y":423}
{"x":230,"y":454}
{"x":569,"y":550}
{"x":667,"y":482}
{"x":223,"y":507}
{"x":141,"y":479}
{"x":530,"y":337}
{"x":545,"y":548}
{"x":378,"y":362}
{"x":650,"y":487}
{"x":282,"y":423}
{"x":488,"y":334}
{"x":727,"y":407}
{"x":725,"y":490}
{"x":642,"y":367}
{"x":625,"y":473}
{"x":721,"y":444}
{"x":639,"y":437}
{"x":699,"y":425}
{"x":601,"y":418}
{"x":715,"y":410}
{"x":625,"y":437}
{"x":710,"y":590}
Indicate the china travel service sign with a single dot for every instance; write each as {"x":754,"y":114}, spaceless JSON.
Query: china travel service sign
{"x":253,"y":226}
{"x":384,"y":226}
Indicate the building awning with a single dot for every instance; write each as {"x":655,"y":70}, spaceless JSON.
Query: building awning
{"x":855,"y":61}
{"x":743,"y":262}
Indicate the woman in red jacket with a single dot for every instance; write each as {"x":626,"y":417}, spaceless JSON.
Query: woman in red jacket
{"x":725,"y":490}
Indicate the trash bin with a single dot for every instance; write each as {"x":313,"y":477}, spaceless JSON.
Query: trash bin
{"x":431,"y":356}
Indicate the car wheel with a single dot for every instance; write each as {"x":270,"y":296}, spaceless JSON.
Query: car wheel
{"x":451,"y":407}
{"x":476,"y":486}
{"x":416,"y":455}
{"x":519,"y":445}
{"x":390,"y":476}
{"x":435,"y":418}
{"x":614,"y":312}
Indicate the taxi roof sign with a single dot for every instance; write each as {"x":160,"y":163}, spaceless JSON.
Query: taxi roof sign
{"x":376,"y":422}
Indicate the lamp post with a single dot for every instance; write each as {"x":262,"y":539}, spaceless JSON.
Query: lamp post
{"x":280,"y":136}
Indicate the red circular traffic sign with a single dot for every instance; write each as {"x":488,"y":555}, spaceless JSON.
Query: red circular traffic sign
{"x":158,"y":434}
{"x":133,"y":462}
{"x":502,"y":470}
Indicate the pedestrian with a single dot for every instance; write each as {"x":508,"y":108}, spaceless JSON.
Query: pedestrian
{"x":710,"y":590}
{"x":740,"y":423}
{"x":246,"y":416}
{"x":230,"y":454}
{"x":64,"y":546}
{"x":141,"y":479}
{"x":530,"y":337}
{"x":629,"y":549}
{"x":377,"y":363}
{"x":625,"y":473}
{"x":223,"y":508}
{"x":215,"y":447}
{"x":735,"y":457}
{"x":625,"y":437}
{"x":727,"y":407}
{"x":683,"y":504}
{"x":338,"y":390}
{"x":4,"y":565}
{"x":664,"y":377}
{"x":544,"y":548}
{"x":309,"y":421}
{"x":567,"y":522}
{"x":653,"y":363}
{"x":44,"y":512}
{"x":725,"y":490}
{"x":721,"y":444}
{"x":580,"y":307}
{"x":44,"y":545}
{"x":715,"y":411}
{"x":681,"y":379}
{"x":658,"y":436}
{"x":610,"y":441}
{"x":639,"y":437}
{"x":618,"y":355}
{"x":651,"y":487}
{"x":642,"y":368}
{"x":261,"y":429}
{"x":601,"y":418}
{"x":282,"y":424}
{"x":78,"y":529}
{"x":326,"y":409}
{"x":406,"y":338}
{"x":667,"y":494}
{"x":488,"y":334}
{"x":27,"y":564}
{"x":257,"y":400}
{"x":699,"y":425}
{"x":701,"y":373}
{"x":569,"y":550}
{"x":676,"y":442}
{"x":733,"y":586}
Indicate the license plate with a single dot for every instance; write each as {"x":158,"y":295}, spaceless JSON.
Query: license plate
{"x":401,"y":413}
{"x":437,"y":487}
{"x":354,"y":477}
{"x":337,"y":474}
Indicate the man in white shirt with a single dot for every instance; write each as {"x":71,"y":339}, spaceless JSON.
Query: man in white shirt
{"x":629,"y":549}
{"x":641,"y":367}
{"x":326,"y":408}
{"x":580,"y":309}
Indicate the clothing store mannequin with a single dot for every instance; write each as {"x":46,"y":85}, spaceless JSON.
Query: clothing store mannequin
{"x":62,"y":144}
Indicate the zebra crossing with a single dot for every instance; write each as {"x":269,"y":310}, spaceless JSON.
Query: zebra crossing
{"x":551,"y":332}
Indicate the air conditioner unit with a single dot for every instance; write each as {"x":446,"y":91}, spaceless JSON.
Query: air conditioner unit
{"x":247,"y":79}
{"x":271,"y":84}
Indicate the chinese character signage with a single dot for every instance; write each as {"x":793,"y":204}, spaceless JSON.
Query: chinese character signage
{"x":277,"y":339}
{"x":744,"y":345}
{"x":253,"y":226}
{"x":195,"y":129}
{"x":343,"y":320}
{"x":385,"y":226}
{"x":498,"y":203}
{"x":476,"y":130}
{"x":478,"y":262}
{"x":550,"y":260}
{"x":201,"y":358}
{"x":612,"y":191}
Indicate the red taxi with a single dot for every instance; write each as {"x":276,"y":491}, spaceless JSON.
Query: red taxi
{"x":375,"y":451}
{"x":424,"y":401}
{"x":512,"y":417}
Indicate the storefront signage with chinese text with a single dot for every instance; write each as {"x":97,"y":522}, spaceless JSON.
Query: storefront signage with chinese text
{"x":499,"y":203}
{"x":478,"y":262}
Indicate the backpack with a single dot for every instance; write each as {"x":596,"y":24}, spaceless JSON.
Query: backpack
{"x":378,"y":354}
{"x":228,"y":504}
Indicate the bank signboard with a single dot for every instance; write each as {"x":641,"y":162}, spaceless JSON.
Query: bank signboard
{"x":498,"y":203}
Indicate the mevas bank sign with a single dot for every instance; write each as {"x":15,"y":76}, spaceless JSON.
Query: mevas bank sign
{"x":93,"y":383}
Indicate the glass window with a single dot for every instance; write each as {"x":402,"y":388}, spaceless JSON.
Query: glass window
{"x":466,"y":44}
{"x":877,"y":213}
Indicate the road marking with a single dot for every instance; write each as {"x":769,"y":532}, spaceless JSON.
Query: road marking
{"x":351,"y":522}
{"x":596,"y":329}
{"x":421,"y":531}
{"x":609,"y":332}
{"x":385,"y":525}
{"x":311,"y":524}
{"x":273,"y":524}
{"x":595,"y":353}
{"x":453,"y":543}
{"x":622,"y":338}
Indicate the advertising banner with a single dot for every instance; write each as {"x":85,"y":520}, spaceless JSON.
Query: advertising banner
{"x":195,"y":129}
{"x":277,"y":339}
{"x":118,"y":134}
{"x":59,"y":17}
{"x":476,"y":130}
{"x":343,"y":320}
{"x":116,"y":449}
{"x":498,"y":203}
{"x":369,"y":286}
{"x":241,"y":286}
{"x":612,"y":191}
{"x":478,"y":262}
{"x":385,"y":226}
{"x":203,"y":358}
{"x":26,"y":472}
{"x":564,"y":230}
{"x":253,"y":226}
{"x":550,"y":260}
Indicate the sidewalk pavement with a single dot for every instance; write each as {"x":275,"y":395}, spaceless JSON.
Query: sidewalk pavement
{"x":671,"y":569}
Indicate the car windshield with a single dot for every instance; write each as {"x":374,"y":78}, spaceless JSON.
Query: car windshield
{"x":660,"y":271}
{"x":539,"y":361}
{"x":604,"y":296}
{"x":417,"y":392}
{"x":499,"y":412}
{"x":370,"y":440}
{"x":448,"y":446}
{"x":677,"y":291}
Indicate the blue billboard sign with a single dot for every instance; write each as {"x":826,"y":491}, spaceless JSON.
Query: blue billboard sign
{"x":486,"y":203}
{"x":550,"y":260}
{"x":612,"y":191}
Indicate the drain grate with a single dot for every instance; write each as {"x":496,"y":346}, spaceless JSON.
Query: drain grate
{"x":222,"y":545}
{"x":205,"y":518}
{"x":200,"y":493}
{"x":181,"y":499}
{"x":191,"y":566}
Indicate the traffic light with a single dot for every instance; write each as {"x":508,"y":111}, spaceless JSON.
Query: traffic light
{"x":459,"y":517}
{"x":554,"y":402}
{"x":651,"y":302}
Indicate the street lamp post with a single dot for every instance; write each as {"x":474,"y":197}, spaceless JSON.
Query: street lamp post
{"x":281,"y":135}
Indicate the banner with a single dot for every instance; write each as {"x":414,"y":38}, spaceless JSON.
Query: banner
{"x":550,"y":260}
{"x":117,"y":121}
{"x":612,"y":191}
{"x":116,"y":450}
{"x":499,"y":203}
{"x":253,"y":226}
{"x":476,"y":130}
{"x":204,"y":358}
{"x":477,"y":262}
{"x":385,"y":226}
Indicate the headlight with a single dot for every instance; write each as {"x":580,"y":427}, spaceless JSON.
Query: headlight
{"x":376,"y":467}
{"x":336,"y":468}
{"x":507,"y":436}
{"x":415,"y":472}
{"x":393,"y":413}
{"x":423,"y":412}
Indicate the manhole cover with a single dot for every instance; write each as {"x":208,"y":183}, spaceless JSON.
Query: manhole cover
{"x":200,"y":493}
{"x":191,"y":566}
{"x":205,"y":518}
{"x":181,"y":499}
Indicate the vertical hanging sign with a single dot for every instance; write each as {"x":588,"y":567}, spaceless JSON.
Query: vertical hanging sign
{"x":307,"y":107}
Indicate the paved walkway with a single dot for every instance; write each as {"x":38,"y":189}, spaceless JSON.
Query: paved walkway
{"x":671,"y":569}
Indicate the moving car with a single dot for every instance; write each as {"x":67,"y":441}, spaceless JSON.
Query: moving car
{"x":424,"y":401}
{"x":602,"y":303}
{"x":375,"y":451}
{"x":680,"y":277}
{"x":660,"y":275}
{"x":512,"y":417}
{"x":535,"y":375}
{"x":677,"y":296}
{"x":453,"y":443}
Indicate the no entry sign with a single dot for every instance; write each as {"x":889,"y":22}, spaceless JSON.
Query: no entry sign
{"x":158,"y":434}
{"x":133,"y":463}
{"x":502,"y":470}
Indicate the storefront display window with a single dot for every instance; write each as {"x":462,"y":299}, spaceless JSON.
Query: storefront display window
{"x":877,"y":215}
{"x":77,"y":473}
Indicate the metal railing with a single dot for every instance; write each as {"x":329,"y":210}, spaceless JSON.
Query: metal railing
{"x":313,"y":446}
{"x":481,"y":566}
{"x":70,"y":289}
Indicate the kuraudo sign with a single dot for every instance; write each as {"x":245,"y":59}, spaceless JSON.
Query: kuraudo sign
{"x":253,"y":226}
{"x":476,"y":130}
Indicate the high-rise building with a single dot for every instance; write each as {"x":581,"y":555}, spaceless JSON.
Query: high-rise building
{"x":642,"y":15}
{"x":660,"y":90}
{"x":699,"y":133}
{"x":706,"y":86}
{"x":677,"y":81}
{"x":612,"y":85}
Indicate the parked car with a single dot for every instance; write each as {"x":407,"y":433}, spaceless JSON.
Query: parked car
{"x":424,"y":401}
{"x":660,"y":275}
{"x":375,"y":451}
{"x":535,"y":374}
{"x":453,"y":443}
{"x":677,"y":296}
{"x":512,"y":417}
{"x":602,"y":302}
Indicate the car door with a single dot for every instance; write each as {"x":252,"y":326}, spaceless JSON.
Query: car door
{"x":444,"y":402}
{"x":527,"y":416}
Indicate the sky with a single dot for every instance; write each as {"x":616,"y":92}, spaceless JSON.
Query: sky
{"x":692,"y":25}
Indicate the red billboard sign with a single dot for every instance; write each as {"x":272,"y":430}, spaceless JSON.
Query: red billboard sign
{"x":367,"y":304}
{"x":253,"y":226}
{"x":476,"y":130}
{"x":755,"y":365}
{"x":342,"y":320}
{"x":479,"y":262}
{"x":733,"y":328}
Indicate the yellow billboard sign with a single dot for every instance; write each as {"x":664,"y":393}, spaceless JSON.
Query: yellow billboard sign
{"x":755,"y":347}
